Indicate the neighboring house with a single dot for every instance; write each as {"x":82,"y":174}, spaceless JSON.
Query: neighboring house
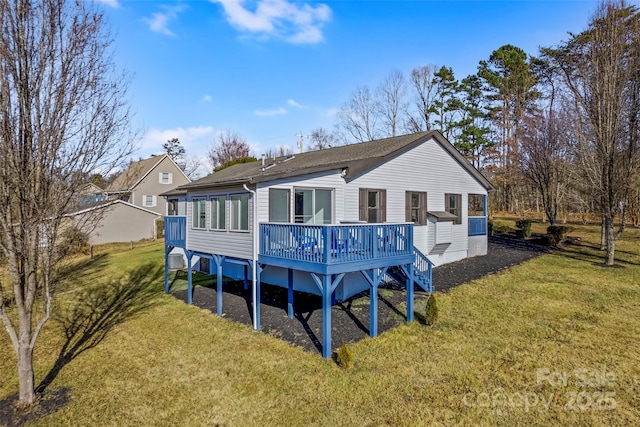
{"x":89,"y":195}
{"x":143,"y":181}
{"x":117,"y":221}
{"x":335,"y":222}
{"x":131,"y":205}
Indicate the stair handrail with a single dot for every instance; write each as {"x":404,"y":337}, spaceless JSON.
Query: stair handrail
{"x":423,"y":265}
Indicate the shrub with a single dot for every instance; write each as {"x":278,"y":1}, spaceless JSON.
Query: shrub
{"x":556,"y":234}
{"x":524,"y":227}
{"x":74,"y":241}
{"x":490,"y":227}
{"x":344,"y":357}
{"x":431,"y":311}
{"x":501,"y":228}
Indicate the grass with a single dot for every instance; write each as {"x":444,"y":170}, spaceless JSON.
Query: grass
{"x":500,"y":342}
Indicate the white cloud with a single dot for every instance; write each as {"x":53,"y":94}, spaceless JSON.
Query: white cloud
{"x":195,"y":140}
{"x":293,"y":103}
{"x":207,"y":98}
{"x":159,"y":21}
{"x":270,"y":113}
{"x":111,"y":3}
{"x":332,"y":112}
{"x":291,"y":21}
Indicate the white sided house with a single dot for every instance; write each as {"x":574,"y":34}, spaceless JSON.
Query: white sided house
{"x":337,"y":221}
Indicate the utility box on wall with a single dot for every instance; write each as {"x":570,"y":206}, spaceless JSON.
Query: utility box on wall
{"x":441,"y":230}
{"x":176,"y":261}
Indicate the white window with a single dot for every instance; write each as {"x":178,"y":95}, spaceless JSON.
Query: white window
{"x":312,"y":206}
{"x":166,"y":177}
{"x":199,"y":213}
{"x":278,"y":205}
{"x":453,"y":205}
{"x":239,"y":212}
{"x":148,"y":201}
{"x":373,"y":205}
{"x":218,"y":217}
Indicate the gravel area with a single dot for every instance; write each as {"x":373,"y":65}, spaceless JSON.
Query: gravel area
{"x":350,"y":319}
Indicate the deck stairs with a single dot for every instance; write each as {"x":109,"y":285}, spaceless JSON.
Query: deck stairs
{"x":422,"y":272}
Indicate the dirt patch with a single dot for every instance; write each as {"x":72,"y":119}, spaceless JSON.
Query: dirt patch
{"x":350,"y":320}
{"x":48,"y":403}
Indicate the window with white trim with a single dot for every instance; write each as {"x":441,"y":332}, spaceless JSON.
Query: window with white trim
{"x":166,"y":177}
{"x":218,"y":213}
{"x":373,"y":205}
{"x":239,"y":212}
{"x":279,"y":205}
{"x":199,"y":213}
{"x":416,"y":207}
{"x":172,"y":207}
{"x":453,"y":205}
{"x":312,"y":206}
{"x":148,"y":201}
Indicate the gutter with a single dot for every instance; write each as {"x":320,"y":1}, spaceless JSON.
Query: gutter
{"x":255,"y":255}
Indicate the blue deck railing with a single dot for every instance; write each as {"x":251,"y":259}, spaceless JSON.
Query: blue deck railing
{"x":477,"y":226}
{"x":175,"y":231}
{"x":329,"y":244}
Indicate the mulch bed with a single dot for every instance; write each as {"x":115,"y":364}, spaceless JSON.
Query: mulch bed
{"x":350,"y":319}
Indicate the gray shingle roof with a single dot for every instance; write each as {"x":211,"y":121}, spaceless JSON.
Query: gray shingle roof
{"x":355,"y":158}
{"x":136,"y":170}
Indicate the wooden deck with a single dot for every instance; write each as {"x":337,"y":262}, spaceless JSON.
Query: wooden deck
{"x":333,"y":249}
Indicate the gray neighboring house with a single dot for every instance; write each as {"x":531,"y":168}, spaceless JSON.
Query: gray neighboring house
{"x":132,"y":204}
{"x":143,"y":181}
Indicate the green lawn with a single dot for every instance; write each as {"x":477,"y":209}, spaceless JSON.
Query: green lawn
{"x":553,"y":341}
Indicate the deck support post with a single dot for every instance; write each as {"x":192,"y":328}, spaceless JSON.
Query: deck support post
{"x":167,"y":250}
{"x":326,"y":316}
{"x":257,"y":299}
{"x":219,"y":259}
{"x":410,"y":293}
{"x":373,"y":308}
{"x":374,"y":281}
{"x":290,"y":293}
{"x":189,"y":277}
{"x":245,"y":277}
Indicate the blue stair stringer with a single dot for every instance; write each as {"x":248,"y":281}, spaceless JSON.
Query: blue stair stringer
{"x":422,"y":271}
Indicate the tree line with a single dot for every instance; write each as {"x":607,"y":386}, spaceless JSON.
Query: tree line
{"x":556,"y":132}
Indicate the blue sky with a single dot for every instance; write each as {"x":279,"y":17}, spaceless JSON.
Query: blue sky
{"x":269,"y":69}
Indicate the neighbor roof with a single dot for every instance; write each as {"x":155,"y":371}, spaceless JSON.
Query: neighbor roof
{"x":134,"y":173}
{"x":354,"y":159}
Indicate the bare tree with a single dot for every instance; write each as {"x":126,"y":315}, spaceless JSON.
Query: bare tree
{"x":279,"y":151}
{"x":358,"y":118}
{"x":422,"y":82}
{"x":229,"y":147}
{"x":191,"y":167}
{"x":391,"y":101}
{"x":62,"y":116}
{"x":321,"y":139}
{"x":600,"y":68}
{"x":545,"y":158}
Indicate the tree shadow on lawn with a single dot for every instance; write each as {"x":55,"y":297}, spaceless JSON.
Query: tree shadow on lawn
{"x":95,"y":309}
{"x":593,"y":254}
{"x":98,"y":308}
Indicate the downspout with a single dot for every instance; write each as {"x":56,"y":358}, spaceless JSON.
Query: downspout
{"x":255,"y":255}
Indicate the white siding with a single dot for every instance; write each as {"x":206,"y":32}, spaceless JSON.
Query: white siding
{"x":428,"y":167}
{"x":325,"y":180}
